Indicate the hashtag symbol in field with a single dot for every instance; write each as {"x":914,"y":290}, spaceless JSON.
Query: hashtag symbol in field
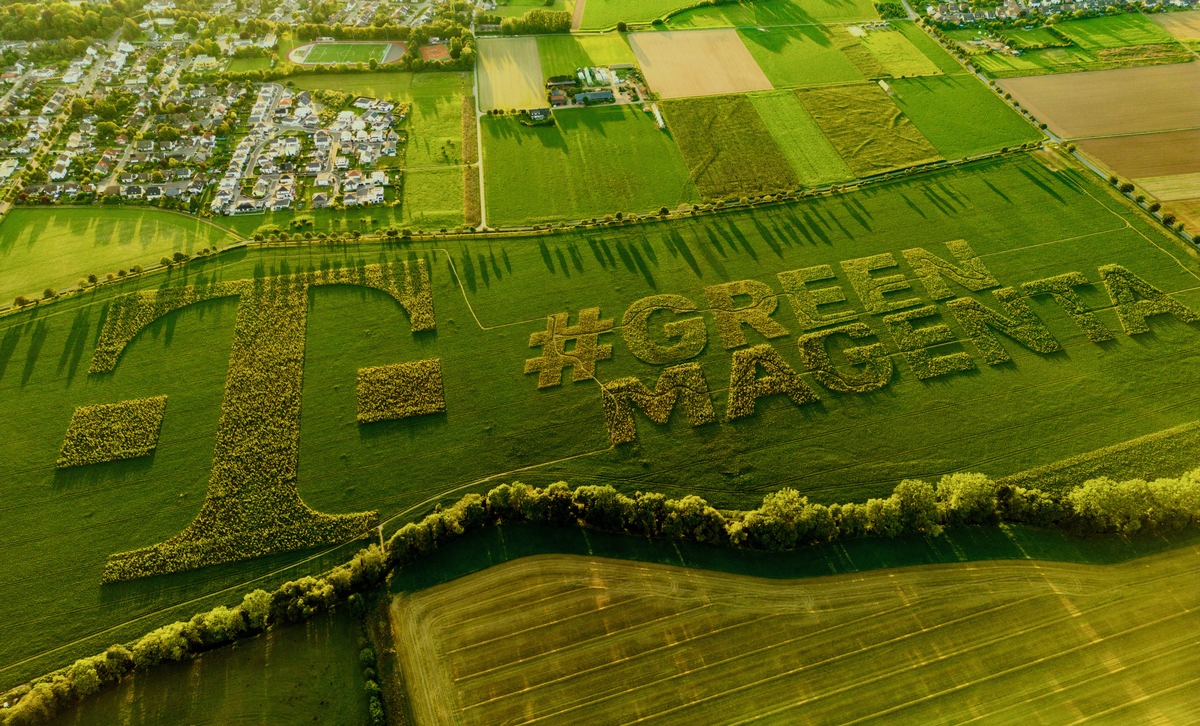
{"x":581,"y":359}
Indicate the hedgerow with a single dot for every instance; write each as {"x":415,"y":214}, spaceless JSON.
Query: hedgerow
{"x":112,"y":431}
{"x":913,"y":343}
{"x":746,"y":386}
{"x":684,"y":383}
{"x":1024,"y":327}
{"x":400,"y":390}
{"x":1062,"y":289}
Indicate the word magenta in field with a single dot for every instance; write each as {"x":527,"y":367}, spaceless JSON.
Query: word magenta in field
{"x":841,"y":351}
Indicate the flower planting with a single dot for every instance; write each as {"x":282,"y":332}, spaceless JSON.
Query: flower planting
{"x":112,"y":431}
{"x":400,"y":390}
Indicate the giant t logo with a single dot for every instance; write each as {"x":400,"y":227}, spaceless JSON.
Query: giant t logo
{"x":252,"y":506}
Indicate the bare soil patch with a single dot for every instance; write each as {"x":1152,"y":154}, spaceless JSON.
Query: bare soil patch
{"x":697,"y":63}
{"x":1184,"y":25}
{"x":435,"y":52}
{"x":1173,"y":152}
{"x":1122,"y":101}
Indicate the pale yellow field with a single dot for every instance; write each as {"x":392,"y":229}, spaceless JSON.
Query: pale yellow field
{"x":1171,"y":188}
{"x":1183,"y":25}
{"x":1189,"y":211}
{"x":510,"y":74}
{"x":567,"y":640}
{"x":697,"y":63}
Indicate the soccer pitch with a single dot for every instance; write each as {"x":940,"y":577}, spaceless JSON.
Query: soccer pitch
{"x":347,"y":53}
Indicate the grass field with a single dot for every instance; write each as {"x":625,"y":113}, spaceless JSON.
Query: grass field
{"x":699,"y":63}
{"x":728,"y":149}
{"x":800,"y":56}
{"x":294,"y":675}
{"x":346,"y":53}
{"x":42,"y":248}
{"x":514,"y":8}
{"x":766,"y":13}
{"x":960,"y":116}
{"x":433,"y":199}
{"x":899,"y":57}
{"x":249,"y":64}
{"x":1025,"y":221}
{"x":616,"y":641}
{"x":1114,"y":31}
{"x":867,"y":128}
{"x":510,"y":74}
{"x":563,"y":54}
{"x":812,"y":157}
{"x":593,"y":162}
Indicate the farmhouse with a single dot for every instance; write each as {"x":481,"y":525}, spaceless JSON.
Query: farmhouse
{"x":541,"y":114}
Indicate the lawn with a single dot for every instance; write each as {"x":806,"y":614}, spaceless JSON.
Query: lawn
{"x":346,"y":53}
{"x":249,"y":64}
{"x":728,"y":149}
{"x":54,"y":247}
{"x":288,"y":675}
{"x":593,"y":162}
{"x":867,"y":128}
{"x":767,"y":13}
{"x":800,"y":56}
{"x":812,"y":157}
{"x":433,"y":199}
{"x":562,"y":55}
{"x":611,"y":641}
{"x":960,"y":116}
{"x":1024,"y":220}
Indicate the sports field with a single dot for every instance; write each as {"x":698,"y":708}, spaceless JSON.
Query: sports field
{"x":699,"y":63}
{"x":1025,"y":221}
{"x":54,"y":247}
{"x":292,"y":674}
{"x":592,"y":162}
{"x":611,"y":641}
{"x":510,"y":74}
{"x":322,"y":53}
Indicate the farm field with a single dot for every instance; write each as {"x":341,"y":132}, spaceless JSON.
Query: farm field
{"x":1103,"y":103}
{"x":287,"y":675}
{"x":433,"y":199}
{"x":763,"y":13}
{"x":728,"y":150}
{"x":249,"y":64}
{"x":898,"y":56}
{"x":1024,"y":220}
{"x":54,"y":247}
{"x":395,"y":86}
{"x":799,"y":56}
{"x":563,"y":54}
{"x":960,"y":116}
{"x":615,"y":640}
{"x":812,"y":157}
{"x":593,"y":162}
{"x":605,"y":14}
{"x":322,"y":53}
{"x":370,"y":218}
{"x":1188,"y":210}
{"x":1183,"y":25}
{"x":1142,"y":155}
{"x":1114,"y":31}
{"x":514,"y":8}
{"x":700,"y":63}
{"x":867,"y":128}
{"x":1172,"y":187}
{"x":510,"y":74}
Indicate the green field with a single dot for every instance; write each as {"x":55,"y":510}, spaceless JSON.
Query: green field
{"x":292,"y":674}
{"x":346,"y":53}
{"x":433,"y":199}
{"x":371,"y":218}
{"x":249,"y":64}
{"x":801,"y":56}
{"x":1114,"y":31}
{"x":928,"y":46}
{"x":610,"y":641}
{"x":42,"y":248}
{"x":1024,"y":220}
{"x":515,"y":8}
{"x":897,"y":55}
{"x":765,"y":13}
{"x":960,"y":116}
{"x":812,"y":157}
{"x":727,"y":147}
{"x":867,"y":128}
{"x":593,"y":162}
{"x":561,"y":55}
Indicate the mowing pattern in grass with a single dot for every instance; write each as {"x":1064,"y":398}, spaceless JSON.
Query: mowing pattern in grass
{"x":346,"y":53}
{"x":593,"y":639}
{"x":112,"y":431}
{"x":42,"y":248}
{"x":960,"y":116}
{"x":813,"y":158}
{"x":593,"y":162}
{"x":563,"y":54}
{"x":869,"y":131}
{"x":728,"y":149}
{"x":288,"y":675}
{"x":253,"y":507}
{"x":803,"y":56}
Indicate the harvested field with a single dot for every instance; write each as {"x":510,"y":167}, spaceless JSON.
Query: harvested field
{"x":1172,"y":187}
{"x":1189,"y":211}
{"x":727,"y":147}
{"x":510,"y":74}
{"x":607,"y":641}
{"x":701,"y":63}
{"x":799,"y":56}
{"x":868,"y":130}
{"x":435,"y":52}
{"x":1184,"y":25}
{"x":1121,"y":101}
{"x":1142,"y":155}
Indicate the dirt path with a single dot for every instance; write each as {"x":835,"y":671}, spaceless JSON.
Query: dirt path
{"x":577,"y":18}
